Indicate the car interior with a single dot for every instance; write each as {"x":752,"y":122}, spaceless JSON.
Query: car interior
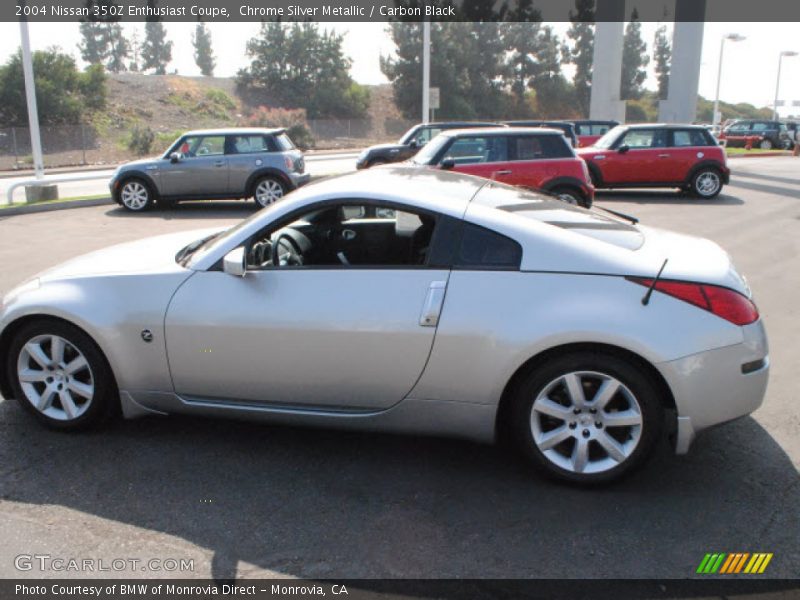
{"x":353,"y":234}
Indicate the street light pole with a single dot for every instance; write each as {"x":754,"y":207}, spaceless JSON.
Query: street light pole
{"x":426,"y":71}
{"x":734,"y":37}
{"x":30,"y":94}
{"x":778,"y":82}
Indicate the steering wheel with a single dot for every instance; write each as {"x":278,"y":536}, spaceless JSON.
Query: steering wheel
{"x":286,"y":252}
{"x":260,"y":254}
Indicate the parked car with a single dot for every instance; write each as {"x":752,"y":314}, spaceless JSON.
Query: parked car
{"x":767,"y":134}
{"x":591,"y":130}
{"x":793,"y":129}
{"x":683,"y":156}
{"x":535,"y":158}
{"x":216,"y":163}
{"x":567,"y":128}
{"x":414,"y":139}
{"x":452,"y":305}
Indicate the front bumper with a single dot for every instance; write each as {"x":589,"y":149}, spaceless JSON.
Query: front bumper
{"x":718,"y":385}
{"x":299,"y":179}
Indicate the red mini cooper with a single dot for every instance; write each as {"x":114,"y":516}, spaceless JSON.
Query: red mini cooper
{"x":682,"y":156}
{"x":540,"y":159}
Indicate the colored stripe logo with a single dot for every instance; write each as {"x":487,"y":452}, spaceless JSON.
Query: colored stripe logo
{"x":736,"y":562}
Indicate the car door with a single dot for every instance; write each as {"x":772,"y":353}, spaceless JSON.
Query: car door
{"x":481,"y":155}
{"x":245,"y":154}
{"x":325,"y":335}
{"x":640,"y":156}
{"x":201,"y":170}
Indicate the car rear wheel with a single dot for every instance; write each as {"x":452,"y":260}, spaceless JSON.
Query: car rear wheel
{"x":765,"y":144}
{"x":586,"y":417}
{"x":268,"y":190}
{"x":135,"y":195}
{"x":706,"y":183}
{"x":571,"y":196}
{"x":60,"y":375}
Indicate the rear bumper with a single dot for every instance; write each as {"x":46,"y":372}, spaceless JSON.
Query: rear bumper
{"x":299,"y":179}
{"x":718,"y":385}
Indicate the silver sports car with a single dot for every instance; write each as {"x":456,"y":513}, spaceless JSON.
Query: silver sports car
{"x":410,"y":300}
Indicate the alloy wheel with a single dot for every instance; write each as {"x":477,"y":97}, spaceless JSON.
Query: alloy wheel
{"x":134,"y":195}
{"x":55,"y":377}
{"x":707,"y":183}
{"x":586,"y":422}
{"x":268,"y":191}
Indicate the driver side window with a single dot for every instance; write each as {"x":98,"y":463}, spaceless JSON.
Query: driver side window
{"x":354,"y":234}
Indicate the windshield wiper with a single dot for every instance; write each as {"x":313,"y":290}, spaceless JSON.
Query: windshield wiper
{"x":621,"y":215}
{"x":186,"y":252}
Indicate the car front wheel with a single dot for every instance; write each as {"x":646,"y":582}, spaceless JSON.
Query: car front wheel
{"x":765,"y":144}
{"x":135,"y":195}
{"x":60,"y":375}
{"x":587,"y":417}
{"x":706,"y":183}
{"x":268,"y":190}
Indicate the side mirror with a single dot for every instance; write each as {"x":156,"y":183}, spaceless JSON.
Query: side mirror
{"x":234,"y":262}
{"x":623,"y":149}
{"x":175,"y":157}
{"x":413,"y":144}
{"x":447,"y":164}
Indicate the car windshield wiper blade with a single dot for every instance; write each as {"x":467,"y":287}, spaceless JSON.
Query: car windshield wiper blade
{"x":621,"y":215}
{"x":186,"y":252}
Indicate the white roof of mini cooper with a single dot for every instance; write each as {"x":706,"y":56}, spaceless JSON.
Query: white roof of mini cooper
{"x":237,"y":131}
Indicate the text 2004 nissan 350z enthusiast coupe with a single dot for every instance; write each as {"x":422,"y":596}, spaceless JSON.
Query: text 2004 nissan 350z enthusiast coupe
{"x":403,"y":299}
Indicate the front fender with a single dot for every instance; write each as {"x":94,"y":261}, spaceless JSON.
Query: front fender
{"x":113,"y":310}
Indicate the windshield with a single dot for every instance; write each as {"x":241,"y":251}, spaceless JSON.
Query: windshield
{"x":429,"y":151}
{"x":609,"y":138}
{"x":409,"y":135}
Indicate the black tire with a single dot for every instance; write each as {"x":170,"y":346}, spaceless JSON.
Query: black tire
{"x":104,"y":402}
{"x":706,"y":183}
{"x":571,"y":195}
{"x":267,"y":190}
{"x":765,"y":144}
{"x":133,"y":185}
{"x":634,"y":384}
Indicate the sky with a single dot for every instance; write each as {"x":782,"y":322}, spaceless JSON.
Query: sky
{"x":749,"y":70}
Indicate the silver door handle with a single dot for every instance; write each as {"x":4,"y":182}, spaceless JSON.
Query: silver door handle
{"x":599,"y":157}
{"x":219,"y":163}
{"x":504,"y":172}
{"x":433,"y":304}
{"x":663,"y":156}
{"x":348,"y":234}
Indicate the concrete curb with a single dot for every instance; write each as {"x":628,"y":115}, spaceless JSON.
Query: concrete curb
{"x":761,"y":154}
{"x":26,"y":209}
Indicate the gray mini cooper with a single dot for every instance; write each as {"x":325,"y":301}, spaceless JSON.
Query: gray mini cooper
{"x":262,"y":164}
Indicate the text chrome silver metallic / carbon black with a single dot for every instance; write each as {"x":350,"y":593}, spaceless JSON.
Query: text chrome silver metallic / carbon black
{"x":404,"y":300}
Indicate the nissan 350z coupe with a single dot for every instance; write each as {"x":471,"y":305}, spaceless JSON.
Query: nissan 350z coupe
{"x":403,"y":300}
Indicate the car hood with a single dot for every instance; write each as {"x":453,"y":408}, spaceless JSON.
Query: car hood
{"x":688,"y":258}
{"x":150,"y":255}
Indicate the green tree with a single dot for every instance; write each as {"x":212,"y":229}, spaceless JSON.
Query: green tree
{"x":662,"y":55}
{"x":64,"y":95}
{"x":301,"y":66}
{"x":156,"y":50}
{"x":203,"y":54}
{"x":94,"y":44}
{"x":581,"y":54}
{"x":467,"y":65}
{"x":634,"y":60}
{"x":118,"y":49}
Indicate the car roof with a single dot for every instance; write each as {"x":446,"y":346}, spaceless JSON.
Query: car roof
{"x":505,"y":131}
{"x":663,"y":126}
{"x":238,"y":131}
{"x":459,"y":124}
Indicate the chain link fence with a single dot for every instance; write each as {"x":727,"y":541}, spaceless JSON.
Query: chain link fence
{"x":76,"y":145}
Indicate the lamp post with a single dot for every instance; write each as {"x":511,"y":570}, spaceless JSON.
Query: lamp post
{"x":778,"y":82}
{"x":734,"y":37}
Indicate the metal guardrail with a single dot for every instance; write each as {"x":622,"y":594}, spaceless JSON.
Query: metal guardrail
{"x":37,"y":182}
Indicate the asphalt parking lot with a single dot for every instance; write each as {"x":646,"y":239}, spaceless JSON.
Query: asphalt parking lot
{"x":251,"y":500}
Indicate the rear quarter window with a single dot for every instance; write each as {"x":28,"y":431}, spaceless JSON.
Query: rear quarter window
{"x":690,"y":137}
{"x":535,"y":147}
{"x":481,"y":248}
{"x":284,"y":142}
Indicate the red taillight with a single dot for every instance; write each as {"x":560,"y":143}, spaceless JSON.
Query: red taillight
{"x":723,"y":302}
